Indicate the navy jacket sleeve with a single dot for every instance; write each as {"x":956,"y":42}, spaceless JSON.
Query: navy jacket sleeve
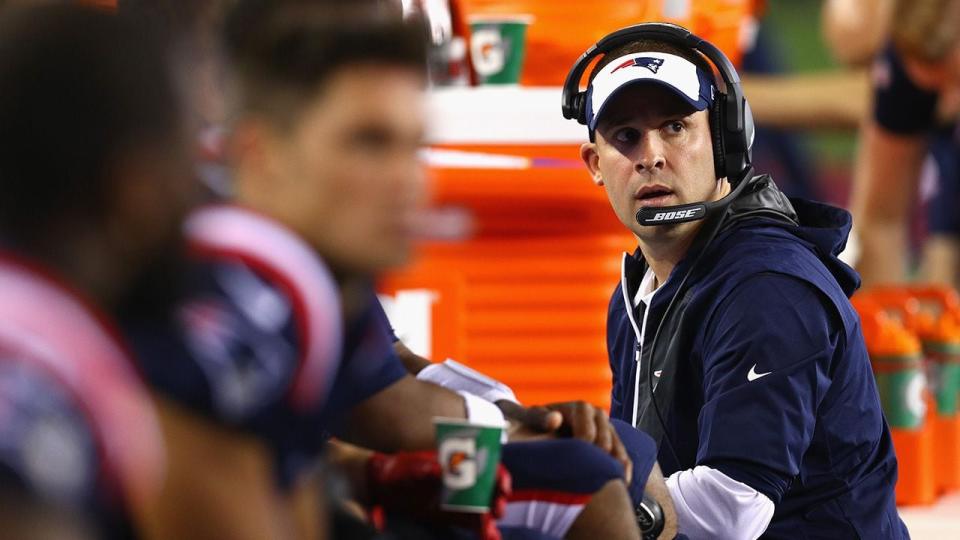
{"x":767,"y":357}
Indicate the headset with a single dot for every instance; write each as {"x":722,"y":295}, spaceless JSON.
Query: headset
{"x":731,"y":122}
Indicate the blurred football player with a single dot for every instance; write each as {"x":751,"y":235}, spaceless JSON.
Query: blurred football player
{"x":94,"y":172}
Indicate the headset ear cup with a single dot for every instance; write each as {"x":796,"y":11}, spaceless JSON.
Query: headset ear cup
{"x":716,"y":134}
{"x":737,"y":144}
{"x":580,"y":102}
{"x":748,"y":129}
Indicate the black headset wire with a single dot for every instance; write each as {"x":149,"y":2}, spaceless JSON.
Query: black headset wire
{"x":653,"y":343}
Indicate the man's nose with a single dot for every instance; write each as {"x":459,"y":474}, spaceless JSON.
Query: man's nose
{"x":650,"y":154}
{"x":410,"y":177}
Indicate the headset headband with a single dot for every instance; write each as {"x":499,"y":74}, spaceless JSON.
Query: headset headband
{"x":664,"y":32}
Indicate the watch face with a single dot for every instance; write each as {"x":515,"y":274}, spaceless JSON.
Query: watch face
{"x":649,"y":518}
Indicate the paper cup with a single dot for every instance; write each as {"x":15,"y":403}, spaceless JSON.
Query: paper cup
{"x":469,"y":454}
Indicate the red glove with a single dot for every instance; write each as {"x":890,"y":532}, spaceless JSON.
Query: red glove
{"x":412,"y":483}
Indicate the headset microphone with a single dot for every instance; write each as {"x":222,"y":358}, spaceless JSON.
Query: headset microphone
{"x":681,"y":213}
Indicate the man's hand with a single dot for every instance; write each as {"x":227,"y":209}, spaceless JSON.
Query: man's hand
{"x":576,"y":419}
{"x":532,"y":420}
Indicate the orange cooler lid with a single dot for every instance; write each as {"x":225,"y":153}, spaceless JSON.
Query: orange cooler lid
{"x":884,"y":335}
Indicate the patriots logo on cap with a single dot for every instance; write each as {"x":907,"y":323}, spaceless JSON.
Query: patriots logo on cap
{"x":653,"y":64}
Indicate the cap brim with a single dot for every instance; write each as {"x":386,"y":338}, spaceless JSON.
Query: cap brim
{"x":695,"y":105}
{"x":670,"y":71}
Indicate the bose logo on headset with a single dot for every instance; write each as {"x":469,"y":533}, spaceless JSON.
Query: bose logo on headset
{"x":679,"y":214}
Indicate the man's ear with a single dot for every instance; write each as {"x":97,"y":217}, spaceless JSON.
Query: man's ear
{"x":590,"y":157}
{"x":246,"y":145}
{"x":256,"y":152}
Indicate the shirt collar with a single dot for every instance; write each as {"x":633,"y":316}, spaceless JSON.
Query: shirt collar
{"x":648,"y":287}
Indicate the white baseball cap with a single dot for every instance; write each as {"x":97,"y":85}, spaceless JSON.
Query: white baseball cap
{"x":668,"y":70}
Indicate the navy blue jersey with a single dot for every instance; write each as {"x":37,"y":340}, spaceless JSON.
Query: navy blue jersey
{"x":77,"y":432}
{"x":370,"y":363}
{"x":772,"y":383}
{"x":47,"y":444}
{"x":256,"y":340}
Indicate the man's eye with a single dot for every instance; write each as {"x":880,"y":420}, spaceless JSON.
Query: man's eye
{"x":626,"y":135}
{"x":371,"y":140}
{"x":675,"y":127}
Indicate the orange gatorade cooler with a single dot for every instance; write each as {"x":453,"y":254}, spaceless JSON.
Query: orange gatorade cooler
{"x":898,"y":367}
{"x":939,"y":332}
{"x":933,"y":319}
{"x":941,"y":346}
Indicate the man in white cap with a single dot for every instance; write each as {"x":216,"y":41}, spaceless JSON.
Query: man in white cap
{"x":730,"y":337}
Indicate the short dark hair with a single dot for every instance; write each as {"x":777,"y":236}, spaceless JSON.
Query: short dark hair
{"x":176,"y":18}
{"x":79,"y":89}
{"x":281,"y":52}
{"x":651,"y":45}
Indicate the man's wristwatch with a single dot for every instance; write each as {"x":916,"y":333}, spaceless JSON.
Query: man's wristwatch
{"x":649,"y":518}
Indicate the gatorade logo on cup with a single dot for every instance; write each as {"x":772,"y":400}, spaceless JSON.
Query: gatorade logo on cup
{"x":487,"y":51}
{"x":458,"y":457}
{"x":469,"y":454}
{"x":497,"y":44}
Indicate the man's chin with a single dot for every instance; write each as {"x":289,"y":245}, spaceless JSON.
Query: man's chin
{"x":397,"y":258}
{"x":661,"y":233}
{"x":371,"y":264}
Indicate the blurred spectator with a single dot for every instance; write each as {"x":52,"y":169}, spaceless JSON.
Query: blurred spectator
{"x":914,"y":79}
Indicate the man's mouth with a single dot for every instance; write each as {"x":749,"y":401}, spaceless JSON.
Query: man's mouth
{"x":653,"y":195}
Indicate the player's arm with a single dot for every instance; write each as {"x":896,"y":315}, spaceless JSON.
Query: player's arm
{"x":219,"y":483}
{"x":656,"y":488}
{"x":413,"y":362}
{"x":809,"y":101}
{"x":766,"y":371}
{"x":25,"y":518}
{"x":400,"y":417}
{"x":886,"y":177}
